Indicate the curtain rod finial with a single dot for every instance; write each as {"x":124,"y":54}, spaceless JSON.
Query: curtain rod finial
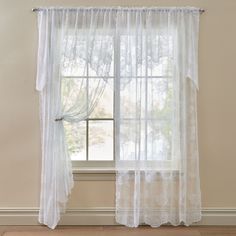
{"x":35,"y":9}
{"x":202,"y":10}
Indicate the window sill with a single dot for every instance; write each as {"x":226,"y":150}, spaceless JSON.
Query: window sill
{"x":104,"y":174}
{"x":86,"y":170}
{"x":94,"y":174}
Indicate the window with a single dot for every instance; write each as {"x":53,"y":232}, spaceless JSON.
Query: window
{"x":92,"y":139}
{"x":91,"y":142}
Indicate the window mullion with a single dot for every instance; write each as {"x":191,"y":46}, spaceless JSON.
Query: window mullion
{"x":87,"y":97}
{"x":101,"y":119}
{"x":87,"y":138}
{"x":146,"y":93}
{"x":116,"y":100}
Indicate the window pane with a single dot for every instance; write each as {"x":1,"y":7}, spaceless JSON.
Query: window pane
{"x":163,"y":67}
{"x":72,"y":91}
{"x":128,"y":134}
{"x":159,"y":134}
{"x":133,"y":55}
{"x":132,"y":97}
{"x":160,"y":98}
{"x":73,"y":58}
{"x":105,"y":71}
{"x":160,"y":53}
{"x":145,"y":140}
{"x":100,"y":140}
{"x":104,"y":108}
{"x":76,"y":140}
{"x":101,"y":53}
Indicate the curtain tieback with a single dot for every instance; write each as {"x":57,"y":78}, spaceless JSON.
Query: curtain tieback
{"x":59,"y":119}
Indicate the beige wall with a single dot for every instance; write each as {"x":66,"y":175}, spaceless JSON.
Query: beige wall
{"x":19,"y":123}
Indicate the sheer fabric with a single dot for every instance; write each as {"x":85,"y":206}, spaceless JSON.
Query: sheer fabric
{"x":69,"y":42}
{"x":156,"y":126}
{"x":155,"y":55}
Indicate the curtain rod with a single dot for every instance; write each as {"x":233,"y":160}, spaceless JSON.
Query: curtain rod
{"x":115,"y":9}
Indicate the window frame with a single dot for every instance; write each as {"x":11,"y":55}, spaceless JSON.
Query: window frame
{"x":100,"y":165}
{"x":108,"y":166}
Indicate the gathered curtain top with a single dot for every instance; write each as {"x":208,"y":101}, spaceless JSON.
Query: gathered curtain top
{"x":159,"y":9}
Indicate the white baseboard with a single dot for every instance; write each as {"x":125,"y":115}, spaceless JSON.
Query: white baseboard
{"x":104,"y":216}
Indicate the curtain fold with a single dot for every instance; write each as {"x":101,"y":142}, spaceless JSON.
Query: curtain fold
{"x":156,"y":126}
{"x":156,"y":82}
{"x":69,"y":44}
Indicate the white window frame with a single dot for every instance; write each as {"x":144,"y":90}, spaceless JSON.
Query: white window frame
{"x":104,"y":166}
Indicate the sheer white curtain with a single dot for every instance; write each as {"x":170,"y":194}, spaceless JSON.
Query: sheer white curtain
{"x":155,"y":54}
{"x":70,"y":41}
{"x":156,"y":122}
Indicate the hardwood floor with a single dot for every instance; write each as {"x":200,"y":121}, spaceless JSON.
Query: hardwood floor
{"x":118,"y":231}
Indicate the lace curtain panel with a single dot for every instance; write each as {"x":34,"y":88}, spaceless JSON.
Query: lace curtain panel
{"x":155,"y":51}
